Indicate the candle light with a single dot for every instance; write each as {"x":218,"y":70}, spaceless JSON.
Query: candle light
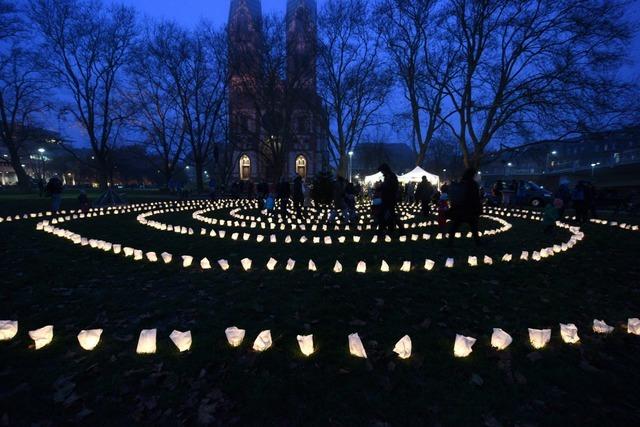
{"x":147,"y":341}
{"x":403,"y":347}
{"x":263,"y":341}
{"x":182,"y":340}
{"x":89,"y":339}
{"x":355,"y":346}
{"x":41,"y":337}
{"x":8,"y":329}
{"x":463,"y":346}
{"x":500,"y":339}
{"x":305,"y":342}
{"x":234,"y":336}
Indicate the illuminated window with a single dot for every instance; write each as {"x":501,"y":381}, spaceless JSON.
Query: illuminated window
{"x":245,"y":168}
{"x":301,"y":166}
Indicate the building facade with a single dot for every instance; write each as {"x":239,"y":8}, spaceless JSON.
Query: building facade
{"x":254,"y":128}
{"x":608,"y":157}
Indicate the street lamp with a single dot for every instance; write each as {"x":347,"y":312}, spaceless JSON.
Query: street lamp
{"x":548,"y":163}
{"x":593,"y":168}
{"x":350,"y":163}
{"x":42,"y":151}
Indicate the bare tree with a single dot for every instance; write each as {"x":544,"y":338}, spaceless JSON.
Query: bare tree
{"x":159,"y":115}
{"x":530,"y":65}
{"x":421,"y":66}
{"x":22,"y":90}
{"x":87,"y":46}
{"x":197,"y":64}
{"x":353,"y":79}
{"x":11,"y":23}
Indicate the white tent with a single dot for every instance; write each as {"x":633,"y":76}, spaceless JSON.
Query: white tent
{"x":372,"y":179}
{"x":416,"y":176}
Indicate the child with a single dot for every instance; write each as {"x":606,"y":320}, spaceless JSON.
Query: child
{"x":551,"y":214}
{"x":443,"y":210}
{"x":270,"y":202}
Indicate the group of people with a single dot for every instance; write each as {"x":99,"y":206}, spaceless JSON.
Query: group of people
{"x":458,"y":202}
{"x":299,"y":193}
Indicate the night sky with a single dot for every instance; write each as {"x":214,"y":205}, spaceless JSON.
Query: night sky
{"x":190,"y":12}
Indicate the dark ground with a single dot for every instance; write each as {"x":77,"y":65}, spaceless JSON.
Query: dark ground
{"x":47,"y":280}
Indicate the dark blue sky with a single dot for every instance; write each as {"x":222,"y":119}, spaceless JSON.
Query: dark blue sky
{"x":190,"y":12}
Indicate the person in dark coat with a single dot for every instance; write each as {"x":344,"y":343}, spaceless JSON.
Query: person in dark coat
{"x":263,"y":191}
{"x":466,"y":205}
{"x":298,"y":195}
{"x":389,"y":196}
{"x":424,"y":193}
{"x":54,"y":190}
{"x":339,"y":201}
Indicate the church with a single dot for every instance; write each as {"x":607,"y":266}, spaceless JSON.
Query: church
{"x":284,"y":138}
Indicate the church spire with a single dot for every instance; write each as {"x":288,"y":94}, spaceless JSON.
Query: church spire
{"x":302,"y":42}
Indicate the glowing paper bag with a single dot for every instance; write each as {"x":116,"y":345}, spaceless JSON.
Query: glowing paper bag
{"x":8,"y":329}
{"x":403,"y":347}
{"x":463,"y":346}
{"x":569,"y":333}
{"x":355,"y":346}
{"x":306,"y":344}
{"x":263,"y":341}
{"x":41,"y":337}
{"x":147,"y":341}
{"x":89,"y":339}
{"x":539,"y":337}
{"x":500,"y":339}
{"x":182,"y":340}
{"x":234,"y":336}
{"x":600,"y":327}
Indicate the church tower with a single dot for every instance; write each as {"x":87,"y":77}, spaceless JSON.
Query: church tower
{"x":307,"y":150}
{"x":302,"y":43}
{"x":245,"y":47}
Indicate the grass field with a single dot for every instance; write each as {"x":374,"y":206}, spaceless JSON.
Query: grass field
{"x":48,"y":280}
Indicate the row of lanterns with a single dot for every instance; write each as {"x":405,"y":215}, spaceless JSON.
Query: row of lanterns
{"x":247,"y":263}
{"x":463,"y":345}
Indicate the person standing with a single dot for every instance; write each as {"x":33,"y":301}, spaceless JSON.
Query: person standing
{"x":339,"y":203}
{"x":389,"y":196}
{"x":298,"y":195}
{"x":579,"y":197}
{"x":563,"y":193}
{"x":263,"y":191}
{"x":424,"y":193}
{"x":54,"y":189}
{"x":466,"y":205}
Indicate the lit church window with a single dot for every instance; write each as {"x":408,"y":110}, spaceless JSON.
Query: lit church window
{"x":245,"y":168}
{"x":301,"y":166}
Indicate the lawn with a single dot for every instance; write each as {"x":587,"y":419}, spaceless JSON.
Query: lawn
{"x":48,"y":280}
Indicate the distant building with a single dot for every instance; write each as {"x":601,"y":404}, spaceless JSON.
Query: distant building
{"x":307,"y":151}
{"x":613,"y":156}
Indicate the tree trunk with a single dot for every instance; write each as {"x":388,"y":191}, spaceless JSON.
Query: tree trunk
{"x":343,"y":166}
{"x":24,"y":180}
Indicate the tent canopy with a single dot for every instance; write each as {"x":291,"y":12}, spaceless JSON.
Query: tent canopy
{"x":416,"y":176}
{"x":372,"y":179}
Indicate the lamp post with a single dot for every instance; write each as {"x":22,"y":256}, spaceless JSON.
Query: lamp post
{"x":42,"y":151}
{"x":593,"y":168}
{"x":547,"y":164}
{"x":350,"y":163}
